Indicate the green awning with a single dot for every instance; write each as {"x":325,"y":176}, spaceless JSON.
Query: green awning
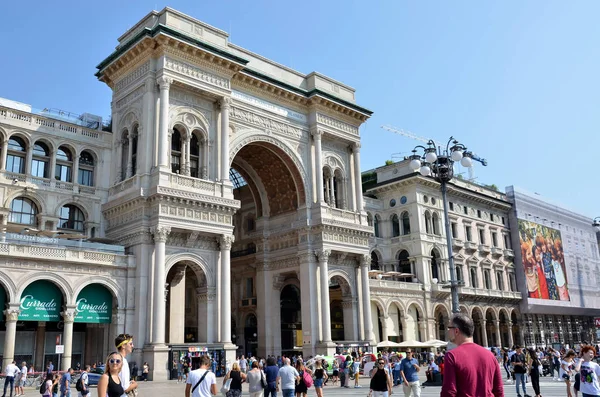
{"x":41,"y":301}
{"x":94,"y":305}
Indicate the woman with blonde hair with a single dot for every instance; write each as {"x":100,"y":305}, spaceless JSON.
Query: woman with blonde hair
{"x":301,"y":387}
{"x":237,"y":377}
{"x":109,"y":384}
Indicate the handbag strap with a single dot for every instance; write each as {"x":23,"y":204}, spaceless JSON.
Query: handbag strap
{"x":200,"y":381}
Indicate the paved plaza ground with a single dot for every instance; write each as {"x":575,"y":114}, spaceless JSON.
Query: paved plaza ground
{"x":549,"y":388}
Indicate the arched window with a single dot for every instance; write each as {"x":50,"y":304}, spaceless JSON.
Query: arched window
{"x":194,"y":157}
{"x":64,"y":164}
{"x":369,"y":219}
{"x":405,"y":223}
{"x":459,"y":273}
{"x":338,"y":183}
{"x":395,"y":226}
{"x":134,"y":147}
{"x":500,"y":280}
{"x":86,"y":169}
{"x":473,"y":278}
{"x":176,"y":151}
{"x":40,"y":160}
{"x":376,"y":223}
{"x":15,"y":159}
{"x":427,"y":222}
{"x":71,"y":217}
{"x":487,"y":280}
{"x":435,"y":264}
{"x":23,"y":211}
{"x":404,"y":265}
{"x":374,"y":261}
{"x":436,"y":224}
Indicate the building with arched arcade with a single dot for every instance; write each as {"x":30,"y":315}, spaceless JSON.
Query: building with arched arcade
{"x":409,"y":265}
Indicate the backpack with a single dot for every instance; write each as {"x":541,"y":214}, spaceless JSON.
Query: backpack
{"x":43,"y":387}
{"x":79,"y":384}
{"x":308,"y":380}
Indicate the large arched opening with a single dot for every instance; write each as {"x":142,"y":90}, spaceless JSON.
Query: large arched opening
{"x":291,"y":319}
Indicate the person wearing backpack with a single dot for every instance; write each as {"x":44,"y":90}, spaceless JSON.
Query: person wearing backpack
{"x":305,"y":379}
{"x":46,"y":386}
{"x":82,"y":383}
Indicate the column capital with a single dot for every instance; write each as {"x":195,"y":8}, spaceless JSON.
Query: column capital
{"x":323,"y":255}
{"x":225,"y":103}
{"x":226,"y":241}
{"x":68,"y":315}
{"x":161,"y":233}
{"x":164,"y":82}
{"x":317,"y":134}
{"x":12,"y":315}
{"x":365,"y":260}
{"x":356,"y":147}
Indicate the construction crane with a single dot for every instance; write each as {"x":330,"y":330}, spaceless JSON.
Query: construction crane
{"x":410,"y":135}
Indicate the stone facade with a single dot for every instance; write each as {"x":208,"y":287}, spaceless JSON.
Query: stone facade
{"x":409,"y":265}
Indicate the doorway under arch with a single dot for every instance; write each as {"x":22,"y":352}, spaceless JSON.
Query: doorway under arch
{"x":291,"y":318}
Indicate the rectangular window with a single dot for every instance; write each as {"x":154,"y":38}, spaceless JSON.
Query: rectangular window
{"x":481,"y":236}
{"x":451,"y":205}
{"x":194,"y":168}
{"x":249,"y":287}
{"x":468,"y":233}
{"x":503,"y":221}
{"x":495,"y":239}
{"x":507,"y":241}
{"x":63,"y":173}
{"x":478,"y":213}
{"x":454,"y":228}
{"x":86,"y":177}
{"x":175,"y":164}
{"x":15,"y":164}
{"x":513,"y":283}
{"x":492,"y":217}
{"x":466,"y":210}
{"x":38,"y":168}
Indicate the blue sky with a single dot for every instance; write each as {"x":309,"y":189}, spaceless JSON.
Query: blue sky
{"x":516,"y":81}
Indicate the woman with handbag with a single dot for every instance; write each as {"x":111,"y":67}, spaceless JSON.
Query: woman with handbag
{"x":256,"y":380}
{"x":234,"y":378}
{"x":302,"y":386}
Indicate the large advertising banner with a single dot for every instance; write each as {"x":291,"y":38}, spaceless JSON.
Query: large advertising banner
{"x":543,"y":261}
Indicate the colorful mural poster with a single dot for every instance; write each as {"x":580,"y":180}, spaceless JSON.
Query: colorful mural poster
{"x":543,"y":261}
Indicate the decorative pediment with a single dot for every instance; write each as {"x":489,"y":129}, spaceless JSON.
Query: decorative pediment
{"x":459,"y":258}
{"x":486,"y":262}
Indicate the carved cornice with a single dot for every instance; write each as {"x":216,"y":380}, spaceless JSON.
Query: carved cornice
{"x":268,"y":125}
{"x":202,"y":199}
{"x":161,"y":233}
{"x":282,"y":264}
{"x":196,"y":73}
{"x":130,"y":78}
{"x":337,"y":124}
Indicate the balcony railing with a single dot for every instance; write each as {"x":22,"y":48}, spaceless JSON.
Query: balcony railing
{"x":484,"y":248}
{"x":496,"y":251}
{"x":376,"y":284}
{"x":457,"y":243}
{"x":509,"y":253}
{"x":47,"y":183}
{"x":470,"y":246}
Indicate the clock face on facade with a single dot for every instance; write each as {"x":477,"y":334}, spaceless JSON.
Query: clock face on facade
{"x":392,"y":202}
{"x":403,"y":200}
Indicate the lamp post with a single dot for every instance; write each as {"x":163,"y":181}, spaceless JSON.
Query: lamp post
{"x":439,"y":164}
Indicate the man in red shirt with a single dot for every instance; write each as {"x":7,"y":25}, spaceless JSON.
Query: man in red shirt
{"x":469,"y":370}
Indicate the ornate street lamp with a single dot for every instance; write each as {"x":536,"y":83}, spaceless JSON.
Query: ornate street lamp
{"x":439,"y":164}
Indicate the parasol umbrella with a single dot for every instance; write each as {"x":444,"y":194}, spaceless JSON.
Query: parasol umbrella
{"x":413,"y":343}
{"x":436,"y":343}
{"x":388,"y":343}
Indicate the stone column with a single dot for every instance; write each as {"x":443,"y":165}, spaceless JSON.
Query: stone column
{"x":319,"y":164}
{"x":118,"y":162}
{"x":423,"y":330}
{"x":357,"y":177}
{"x":366,"y":295}
{"x":3,"y":160}
{"x":164,"y":84}
{"x":225,"y":105}
{"x":28,"y":158}
{"x":511,"y":341}
{"x":225,"y":242}
{"x":323,"y":257}
{"x":11,"y":315}
{"x":498,"y":333}
{"x":177,"y":307}
{"x":384,"y":328}
{"x":161,"y":233}
{"x":129,"y":171}
{"x":332,"y":190}
{"x":40,"y":338}
{"x":204,"y":163}
{"x":308,"y":297}
{"x":404,"y":327}
{"x":183,"y":165}
{"x":188,"y":154}
{"x":484,"y":340}
{"x":361,"y":310}
{"x":206,"y":300}
{"x":68,"y":318}
{"x":350,"y":310}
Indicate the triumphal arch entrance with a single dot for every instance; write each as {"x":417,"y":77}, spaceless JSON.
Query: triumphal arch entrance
{"x":237,"y":190}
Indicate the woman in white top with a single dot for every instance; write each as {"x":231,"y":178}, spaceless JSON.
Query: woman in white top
{"x":567,"y":367}
{"x":590,"y":373}
{"x":254,"y":377}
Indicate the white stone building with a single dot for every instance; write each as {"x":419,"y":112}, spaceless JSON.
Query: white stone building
{"x":409,"y":262}
{"x":234,"y":185}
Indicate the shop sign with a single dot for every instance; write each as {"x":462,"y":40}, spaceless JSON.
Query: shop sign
{"x":597,"y":322}
{"x":94,"y":305}
{"x":41,"y":301}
